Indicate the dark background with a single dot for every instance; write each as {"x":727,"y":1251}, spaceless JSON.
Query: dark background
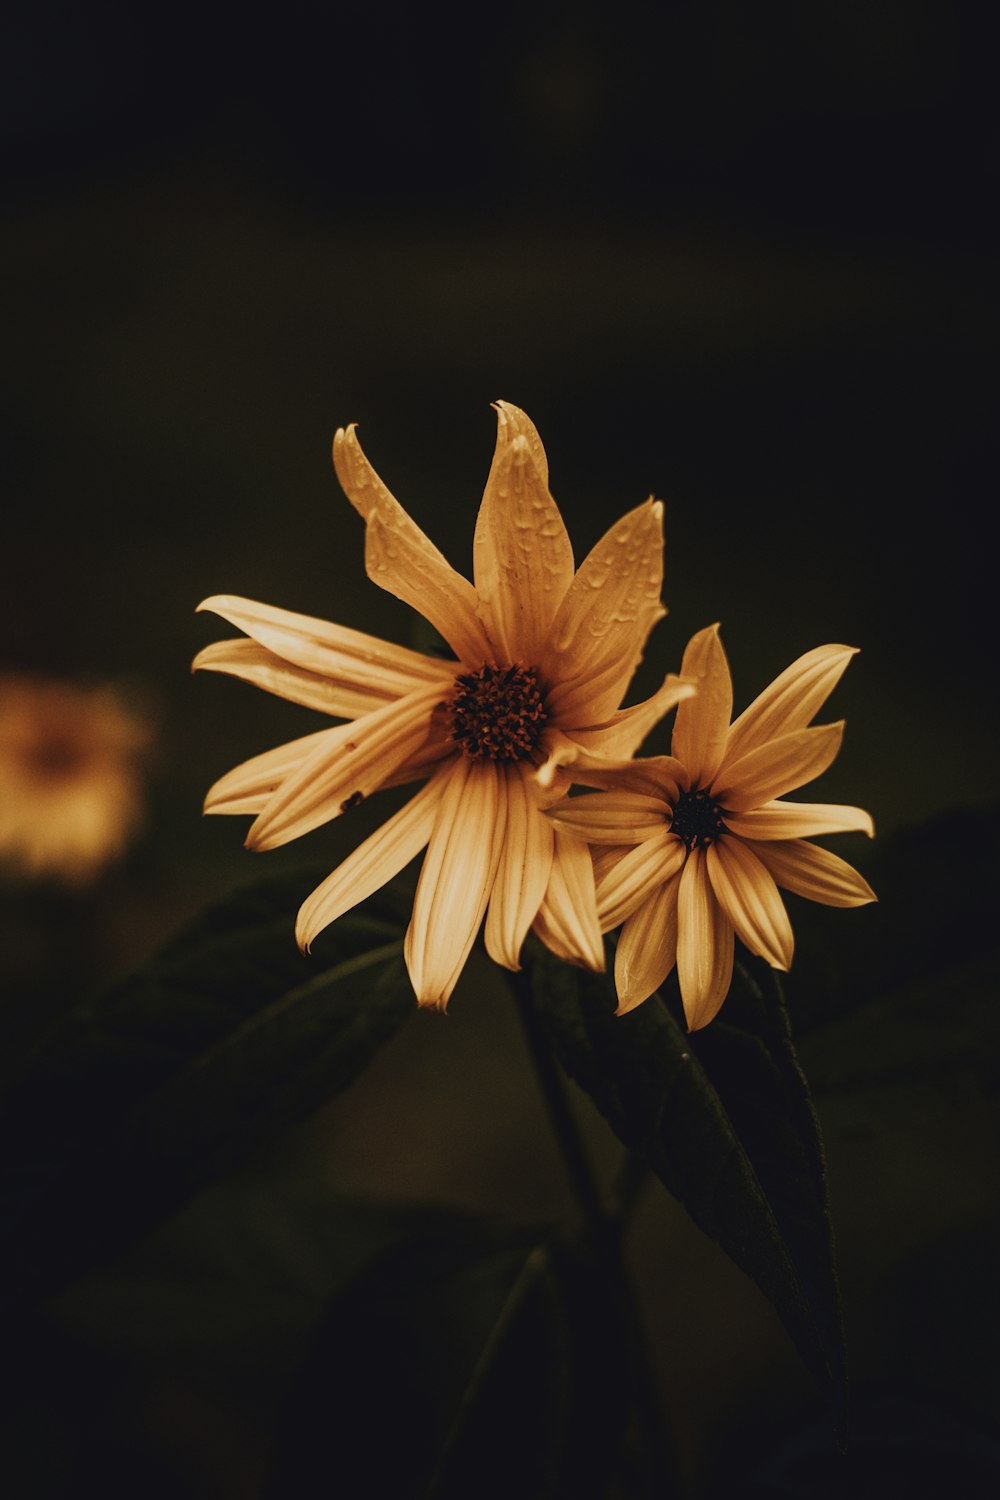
{"x":740,"y":257}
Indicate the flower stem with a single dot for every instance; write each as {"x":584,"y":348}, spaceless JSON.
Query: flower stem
{"x":561,"y":1117}
{"x":605,"y":1229}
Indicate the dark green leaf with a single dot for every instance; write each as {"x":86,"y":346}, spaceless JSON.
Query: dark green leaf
{"x":214,"y":1314}
{"x":146,"y":1091}
{"x":475,"y":1363}
{"x":727,"y":1126}
{"x":750,"y":1061}
{"x":935,"y":884}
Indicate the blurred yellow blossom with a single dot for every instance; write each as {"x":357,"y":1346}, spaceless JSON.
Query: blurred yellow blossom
{"x":70,"y":795}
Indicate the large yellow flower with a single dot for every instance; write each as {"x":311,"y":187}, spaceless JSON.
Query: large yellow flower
{"x":543,"y":656}
{"x":696,"y":845}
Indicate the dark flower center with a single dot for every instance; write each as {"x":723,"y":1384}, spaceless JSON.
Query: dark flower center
{"x":697,"y":819}
{"x":497,"y":713}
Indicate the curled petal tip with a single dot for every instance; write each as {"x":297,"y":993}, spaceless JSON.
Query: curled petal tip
{"x":341,"y":438}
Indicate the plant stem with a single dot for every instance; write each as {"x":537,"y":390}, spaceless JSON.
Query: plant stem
{"x":561,"y":1117}
{"x":605,"y":1229}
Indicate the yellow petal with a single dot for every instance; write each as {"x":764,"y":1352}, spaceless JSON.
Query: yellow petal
{"x":747,"y":893}
{"x":612,"y":817}
{"x":248,"y":787}
{"x":522,"y":553}
{"x":647,"y":947}
{"x":624,"y":886}
{"x":523,"y":872}
{"x":348,"y":656}
{"x":702,"y":723}
{"x":253,"y":663}
{"x":657,"y":775}
{"x":401,"y":559}
{"x":567,"y":918}
{"x":797,"y":820}
{"x":777,"y":767}
{"x":791,"y":701}
{"x":704,"y":945}
{"x":424,"y":760}
{"x":456,"y":879}
{"x":601,"y":628}
{"x":605,"y":856}
{"x":807,"y":870}
{"x":355,"y":761}
{"x":625,"y":730}
{"x":374,"y":862}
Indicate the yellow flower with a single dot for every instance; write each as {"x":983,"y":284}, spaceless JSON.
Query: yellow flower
{"x":709,"y":844}
{"x":543,"y":656}
{"x":69,"y":785}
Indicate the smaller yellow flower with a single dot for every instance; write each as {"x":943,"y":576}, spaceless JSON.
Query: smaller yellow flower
{"x":695,"y":844}
{"x":70,"y":795}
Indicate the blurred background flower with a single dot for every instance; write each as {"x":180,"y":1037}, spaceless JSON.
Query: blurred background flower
{"x":70,"y":781}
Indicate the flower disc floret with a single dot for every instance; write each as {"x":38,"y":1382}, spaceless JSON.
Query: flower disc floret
{"x":697,"y":819}
{"x":497,"y":713}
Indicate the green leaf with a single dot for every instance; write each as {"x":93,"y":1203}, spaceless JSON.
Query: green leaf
{"x":254,"y":1302}
{"x":481,"y":1361}
{"x":725,"y":1121}
{"x":936,"y":907}
{"x":146,"y":1091}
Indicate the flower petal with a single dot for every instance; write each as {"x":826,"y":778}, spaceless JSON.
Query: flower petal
{"x":253,"y":663}
{"x":605,"y":856}
{"x":656,"y":775}
{"x":355,"y":761}
{"x":791,"y":701}
{"x":522,"y":552}
{"x":348,"y":656}
{"x":373,"y":863}
{"x":612,"y":817}
{"x":456,"y":879}
{"x":624,"y":886}
{"x":647,"y":947}
{"x":567,"y":918}
{"x":807,"y":870}
{"x":424,"y":760}
{"x":624,"y":731}
{"x":401,"y":559}
{"x":777,"y":767}
{"x":797,"y":820}
{"x":523,"y":872}
{"x":704,"y":945}
{"x":249,"y":786}
{"x":747,"y":893}
{"x":702,"y":723}
{"x":601,"y":628}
